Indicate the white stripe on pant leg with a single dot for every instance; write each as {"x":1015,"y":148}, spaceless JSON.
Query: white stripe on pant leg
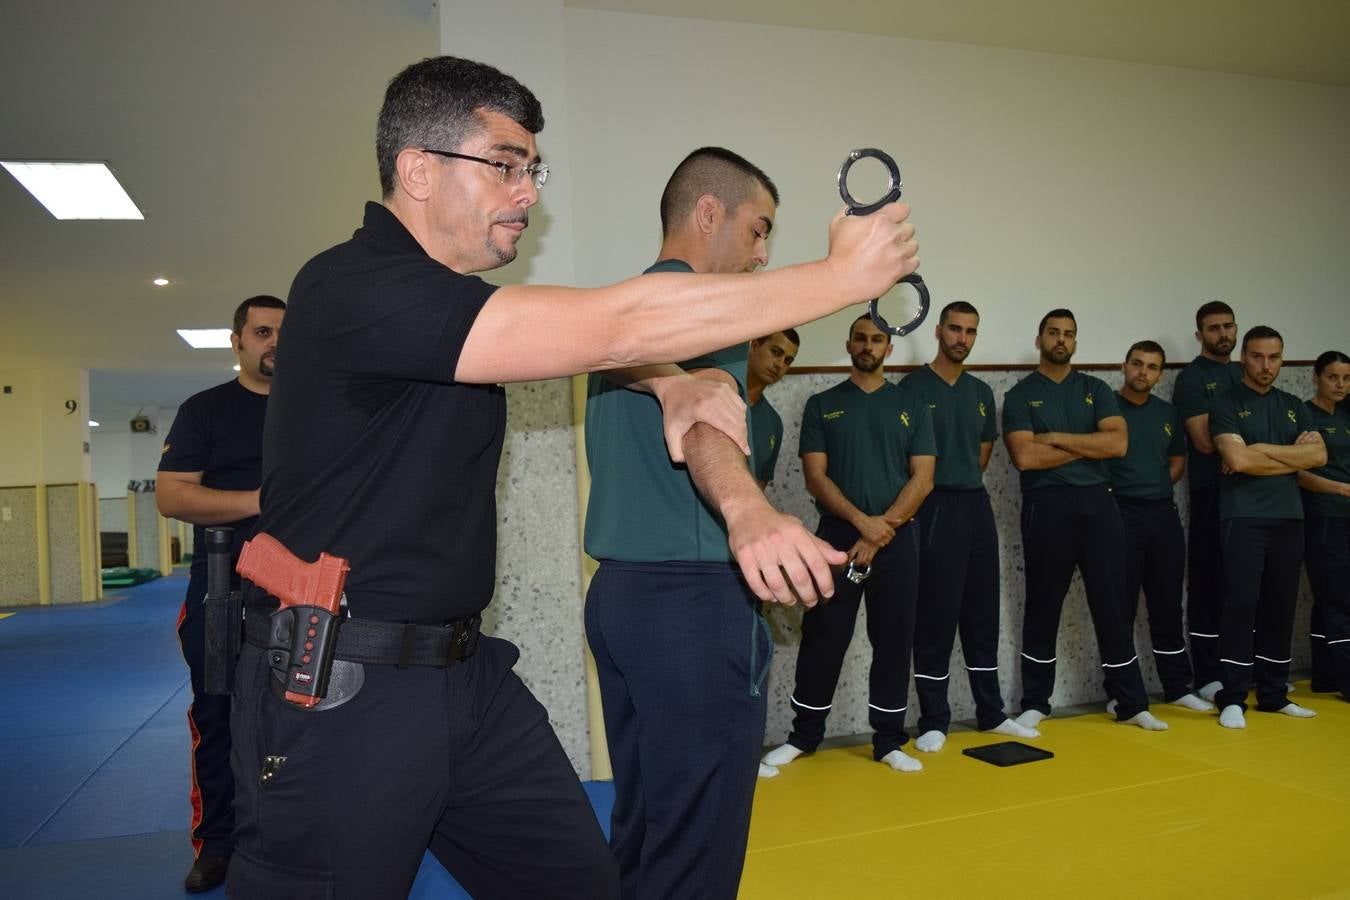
{"x":982,"y":668}
{"x":1198,"y":634}
{"x":1322,"y":636}
{"x":1341,"y":641}
{"x":796,"y":702}
{"x":1278,"y":662}
{"x":1169,"y":652}
{"x":1044,"y":662}
{"x":1234,"y":662}
{"x":885,"y":710}
{"x":1132,"y":659}
{"x":933,"y":677}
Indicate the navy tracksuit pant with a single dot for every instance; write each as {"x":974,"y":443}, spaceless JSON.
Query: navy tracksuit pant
{"x":1205,"y":573}
{"x":1328,"y":558}
{"x":1262,"y":558}
{"x":1155,"y":559}
{"x":1063,"y":528}
{"x":211,"y":785}
{"x":827,"y":628}
{"x":958,"y":589}
{"x":682,"y":654}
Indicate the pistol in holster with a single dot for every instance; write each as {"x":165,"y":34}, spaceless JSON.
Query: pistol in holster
{"x":304,"y":628}
{"x":223,"y":614}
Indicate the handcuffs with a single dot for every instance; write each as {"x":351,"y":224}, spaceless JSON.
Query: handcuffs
{"x":856,"y":573}
{"x":854,"y":208}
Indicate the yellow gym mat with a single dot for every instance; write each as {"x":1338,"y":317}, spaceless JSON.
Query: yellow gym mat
{"x":1197,"y":811}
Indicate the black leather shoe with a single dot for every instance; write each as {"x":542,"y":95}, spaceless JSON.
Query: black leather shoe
{"x":207,"y":872}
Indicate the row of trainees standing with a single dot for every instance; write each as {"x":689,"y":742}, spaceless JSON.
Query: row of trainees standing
{"x":1097,"y":471}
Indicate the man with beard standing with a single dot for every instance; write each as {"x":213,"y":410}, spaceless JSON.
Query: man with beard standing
{"x":1265,"y":437}
{"x":770,"y":358}
{"x":210,"y":473}
{"x":868,"y":456}
{"x":958,"y":565}
{"x":1060,"y":427}
{"x":1204,"y":378}
{"x":1155,"y":546}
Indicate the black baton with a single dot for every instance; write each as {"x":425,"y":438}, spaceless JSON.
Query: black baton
{"x":222,"y":613}
{"x":864,"y":209}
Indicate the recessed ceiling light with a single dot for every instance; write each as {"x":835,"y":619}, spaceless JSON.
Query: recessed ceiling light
{"x":206,"y":338}
{"x":236,"y":367}
{"x":75,"y":190}
{"x":93,"y":424}
{"x":160,"y":282}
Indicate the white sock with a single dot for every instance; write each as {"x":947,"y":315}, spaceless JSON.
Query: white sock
{"x":781,"y":756}
{"x":1190,"y":701}
{"x":1208,"y":691}
{"x":1030,"y":718}
{"x":901,"y":761}
{"x":1232,"y":717}
{"x":767,"y":771}
{"x":1147,"y":721}
{"x":1013,"y":729}
{"x":930,"y":741}
{"x":1298,"y":712}
{"x":1111,"y":707}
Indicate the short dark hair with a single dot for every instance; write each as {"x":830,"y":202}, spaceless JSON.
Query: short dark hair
{"x":710,"y":170}
{"x":1212,"y":308}
{"x":867,"y":317}
{"x":1331,"y":357}
{"x":437,"y":103}
{"x":957,"y":306}
{"x":262,"y":301}
{"x":1260,"y":333}
{"x":791,"y":335}
{"x":1146,"y":347}
{"x":1056,"y":314}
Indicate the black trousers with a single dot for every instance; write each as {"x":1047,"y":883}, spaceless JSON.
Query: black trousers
{"x":460,"y":761}
{"x":958,"y":588}
{"x":1064,"y":528}
{"x":211,"y":784}
{"x":1155,"y":559}
{"x":827,"y":629}
{"x":1328,"y":557}
{"x":682,"y":653}
{"x":1262,"y":558}
{"x":1205,"y":592}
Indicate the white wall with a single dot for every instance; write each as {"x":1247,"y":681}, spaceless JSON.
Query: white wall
{"x":1128,"y":193}
{"x":120,"y":456}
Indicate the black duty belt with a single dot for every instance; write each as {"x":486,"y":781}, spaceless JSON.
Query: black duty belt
{"x":384,"y":643}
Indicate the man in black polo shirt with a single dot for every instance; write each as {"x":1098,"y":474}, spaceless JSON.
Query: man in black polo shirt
{"x":868,"y":457}
{"x":1060,"y":427}
{"x":1204,"y":378}
{"x":382,"y":446}
{"x":958,"y":562}
{"x":1265,"y":437}
{"x":770,"y":358}
{"x":1155,"y":546}
{"x":209,"y":474}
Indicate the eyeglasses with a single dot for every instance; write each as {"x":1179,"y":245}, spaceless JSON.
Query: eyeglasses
{"x":538,"y":172}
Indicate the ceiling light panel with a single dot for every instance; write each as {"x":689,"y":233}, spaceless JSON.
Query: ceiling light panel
{"x":206,"y":338}
{"x":75,"y":190}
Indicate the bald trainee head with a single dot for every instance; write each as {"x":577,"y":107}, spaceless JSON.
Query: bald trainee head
{"x":710,"y":170}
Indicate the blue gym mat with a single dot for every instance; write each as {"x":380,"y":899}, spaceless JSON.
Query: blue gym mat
{"x":94,"y":767}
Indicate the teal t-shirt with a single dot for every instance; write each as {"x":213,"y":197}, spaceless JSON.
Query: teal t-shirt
{"x":643,"y":507}
{"x":1196,"y":387}
{"x":1275,"y":417}
{"x":963,"y":419}
{"x":1335,"y":429}
{"x":868,"y":440}
{"x":767,"y":436}
{"x":1156,"y":434}
{"x":1074,"y":406}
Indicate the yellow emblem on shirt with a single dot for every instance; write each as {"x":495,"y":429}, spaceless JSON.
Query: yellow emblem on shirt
{"x":1087,"y":398}
{"x":165,"y":450}
{"x":1167,"y":428}
{"x":773,"y":441}
{"x":1035,"y":404}
{"x":1292,"y":418}
{"x":833,"y":414}
{"x":983,"y":412}
{"x":904,"y":418}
